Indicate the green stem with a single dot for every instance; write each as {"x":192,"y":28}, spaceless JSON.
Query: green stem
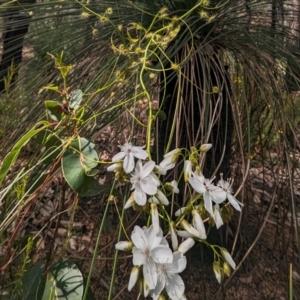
{"x":115,"y":259}
{"x":95,"y":254}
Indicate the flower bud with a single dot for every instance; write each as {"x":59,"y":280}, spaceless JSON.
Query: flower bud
{"x":227,"y":269}
{"x":129,"y":202}
{"x":186,"y":245}
{"x":124,"y":246}
{"x":115,"y":167}
{"x":155,"y":217}
{"x":134,"y":275}
{"x":198,"y":224}
{"x":228,"y":258}
{"x":174,"y":238}
{"x":187,"y":169}
{"x":161,"y":297}
{"x":205,"y":147}
{"x":172,"y":187}
{"x":217,"y":271}
{"x":189,"y":228}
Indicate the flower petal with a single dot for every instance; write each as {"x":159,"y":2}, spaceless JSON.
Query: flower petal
{"x":139,"y":257}
{"x":234,"y":202}
{"x":119,"y":156}
{"x":128,"y":163}
{"x":198,"y":224}
{"x":139,"y":238}
{"x":150,"y":274}
{"x":139,"y":196}
{"x":153,"y":238}
{"x":197,"y":185}
{"x":207,"y":202}
{"x":147,"y":168}
{"x":148,"y":186}
{"x":175,"y":287}
{"x":179,"y":262}
{"x":138,"y":152}
{"x":186,"y":245}
{"x":162,"y":198}
{"x":162,"y":254}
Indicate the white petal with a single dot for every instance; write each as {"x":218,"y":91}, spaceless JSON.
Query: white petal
{"x":175,"y":287}
{"x":162,"y":254}
{"x":139,"y":196}
{"x":234,"y":202}
{"x":147,"y":168}
{"x":148,"y":186}
{"x":138,"y":257}
{"x":186,"y":245}
{"x":197,"y":185}
{"x":207,"y":202}
{"x":153,"y":238}
{"x":159,"y":170}
{"x":154,"y":178}
{"x":217,"y":271}
{"x":119,"y":156}
{"x":134,"y":275}
{"x":162,"y":198}
{"x":138,"y":152}
{"x":198,"y":224}
{"x":128,"y":163}
{"x":187,"y":170}
{"x":138,"y":238}
{"x":218,"y":195}
{"x":150,"y":274}
{"x":217,"y":217}
{"x":155,"y":293}
{"x":179,"y":262}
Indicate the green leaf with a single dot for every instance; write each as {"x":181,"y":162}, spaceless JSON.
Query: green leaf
{"x":73,"y":170}
{"x":76,"y":99}
{"x":34,"y":282}
{"x":12,"y":156}
{"x":54,"y":110}
{"x":89,"y":157}
{"x":66,"y":282}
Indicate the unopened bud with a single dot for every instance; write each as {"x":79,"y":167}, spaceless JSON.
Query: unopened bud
{"x":134,"y":275}
{"x":205,"y":147}
{"x":217,"y":271}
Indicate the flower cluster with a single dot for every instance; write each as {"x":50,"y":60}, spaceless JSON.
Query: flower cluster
{"x":160,"y":267}
{"x":207,"y":207}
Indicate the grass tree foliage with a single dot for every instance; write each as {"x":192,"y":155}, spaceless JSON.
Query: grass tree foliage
{"x":225,"y":72}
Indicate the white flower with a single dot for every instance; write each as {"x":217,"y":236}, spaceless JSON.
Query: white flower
{"x":226,"y":186}
{"x":170,"y":159}
{"x":143,"y":182}
{"x":169,"y":279}
{"x":181,"y":211}
{"x":208,"y":189}
{"x":228,"y":258}
{"x":217,"y":216}
{"x":148,"y":251}
{"x":198,"y":224}
{"x":129,"y":152}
